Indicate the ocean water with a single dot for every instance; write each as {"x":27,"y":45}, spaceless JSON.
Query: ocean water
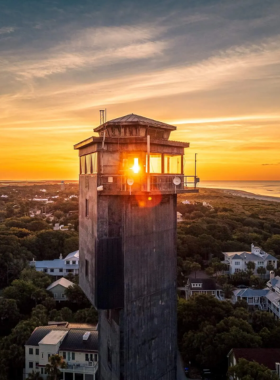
{"x":268,"y":188}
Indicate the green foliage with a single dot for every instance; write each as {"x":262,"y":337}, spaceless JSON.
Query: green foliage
{"x":248,"y":370}
{"x":53,"y":367}
{"x":88,"y":315}
{"x":75,"y":294}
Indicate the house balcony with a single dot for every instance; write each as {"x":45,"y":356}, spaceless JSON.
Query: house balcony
{"x":80,"y":369}
{"x":155,"y":183}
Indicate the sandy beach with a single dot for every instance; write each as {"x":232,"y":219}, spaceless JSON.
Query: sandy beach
{"x":246,"y":194}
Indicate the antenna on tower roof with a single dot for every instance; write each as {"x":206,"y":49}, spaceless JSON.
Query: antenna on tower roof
{"x":103,"y":116}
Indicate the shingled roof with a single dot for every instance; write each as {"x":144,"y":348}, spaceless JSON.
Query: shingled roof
{"x":266,"y":356}
{"x":135,"y":119}
{"x":74,"y":341}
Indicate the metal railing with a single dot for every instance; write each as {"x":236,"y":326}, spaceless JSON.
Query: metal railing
{"x":158,"y":182}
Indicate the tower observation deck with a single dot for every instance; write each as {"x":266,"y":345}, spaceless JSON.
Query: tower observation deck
{"x":129,"y":179}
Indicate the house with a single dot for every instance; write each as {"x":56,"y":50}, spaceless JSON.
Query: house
{"x":238,"y":261}
{"x":207,"y":286}
{"x":253,"y":297}
{"x":78,"y":346}
{"x":265,"y":299}
{"x":269,"y":357}
{"x":179,"y":217}
{"x":57,"y":288}
{"x":59,"y":267}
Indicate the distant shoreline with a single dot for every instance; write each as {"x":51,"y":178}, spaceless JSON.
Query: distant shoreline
{"x":247,"y":194}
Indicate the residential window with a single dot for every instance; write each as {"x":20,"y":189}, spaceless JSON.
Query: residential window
{"x":37,"y":351}
{"x":45,"y":270}
{"x":55,"y":295}
{"x":69,"y":270}
{"x":37,"y":365}
{"x":237,"y":262}
{"x":73,"y":262}
{"x":30,"y":364}
{"x":87,"y":357}
{"x":197,"y":285}
{"x":260,"y":263}
{"x":51,"y":270}
{"x":42,"y":371}
{"x":86,"y":268}
{"x":30,"y":351}
{"x":49,"y":355}
{"x":64,"y":355}
{"x":87,"y":208}
{"x":67,"y":262}
{"x":42,"y":355}
{"x":60,"y":270}
{"x":69,"y":355}
{"x":237,"y":270}
{"x":95,"y":357}
{"x":73,"y":355}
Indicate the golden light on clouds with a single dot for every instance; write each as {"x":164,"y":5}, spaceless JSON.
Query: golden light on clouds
{"x":222,"y":94}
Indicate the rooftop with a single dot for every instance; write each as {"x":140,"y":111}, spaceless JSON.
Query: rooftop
{"x":266,"y":356}
{"x":207,"y":283}
{"x":137,"y":120}
{"x":62,"y":281}
{"x":244,"y":255}
{"x":53,"y":337}
{"x":74,"y":341}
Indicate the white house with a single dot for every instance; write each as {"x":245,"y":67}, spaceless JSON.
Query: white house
{"x":78,"y":346}
{"x":59,"y":267}
{"x":57,"y":288}
{"x":237,"y":261}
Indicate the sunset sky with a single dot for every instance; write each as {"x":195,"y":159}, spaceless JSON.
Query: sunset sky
{"x":212,"y":68}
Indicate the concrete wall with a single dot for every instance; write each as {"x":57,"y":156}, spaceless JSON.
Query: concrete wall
{"x":88,"y":234}
{"x":142,"y":344}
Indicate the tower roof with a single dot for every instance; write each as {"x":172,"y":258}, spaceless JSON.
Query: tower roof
{"x":133,"y":119}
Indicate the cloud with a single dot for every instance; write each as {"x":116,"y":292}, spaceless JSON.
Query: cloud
{"x":7,"y":30}
{"x":278,"y":163}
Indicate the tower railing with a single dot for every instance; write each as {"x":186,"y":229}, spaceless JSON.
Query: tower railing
{"x":158,"y":182}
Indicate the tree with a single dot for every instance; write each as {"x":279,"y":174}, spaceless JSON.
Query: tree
{"x":261,"y":271}
{"x":269,"y":267}
{"x":53,"y":368}
{"x":251,"y":266}
{"x":228,"y":290}
{"x":195,"y":267}
{"x":222,"y":280}
{"x":75,"y":294}
{"x":209,"y":271}
{"x":88,"y":315}
{"x":251,"y":370}
{"x":273,"y":244}
{"x":34,"y":376}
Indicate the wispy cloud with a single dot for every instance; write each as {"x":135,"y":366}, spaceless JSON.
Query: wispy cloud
{"x":278,"y":163}
{"x":7,"y":30}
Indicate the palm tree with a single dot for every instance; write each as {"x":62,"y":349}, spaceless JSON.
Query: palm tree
{"x":34,"y":376}
{"x":52,"y":369}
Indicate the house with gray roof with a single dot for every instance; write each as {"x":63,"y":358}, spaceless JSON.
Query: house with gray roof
{"x":78,"y":346}
{"x":267,"y":299}
{"x":58,"y":267}
{"x":238,"y":261}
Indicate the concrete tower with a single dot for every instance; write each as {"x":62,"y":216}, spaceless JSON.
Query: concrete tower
{"x":129,"y":178}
